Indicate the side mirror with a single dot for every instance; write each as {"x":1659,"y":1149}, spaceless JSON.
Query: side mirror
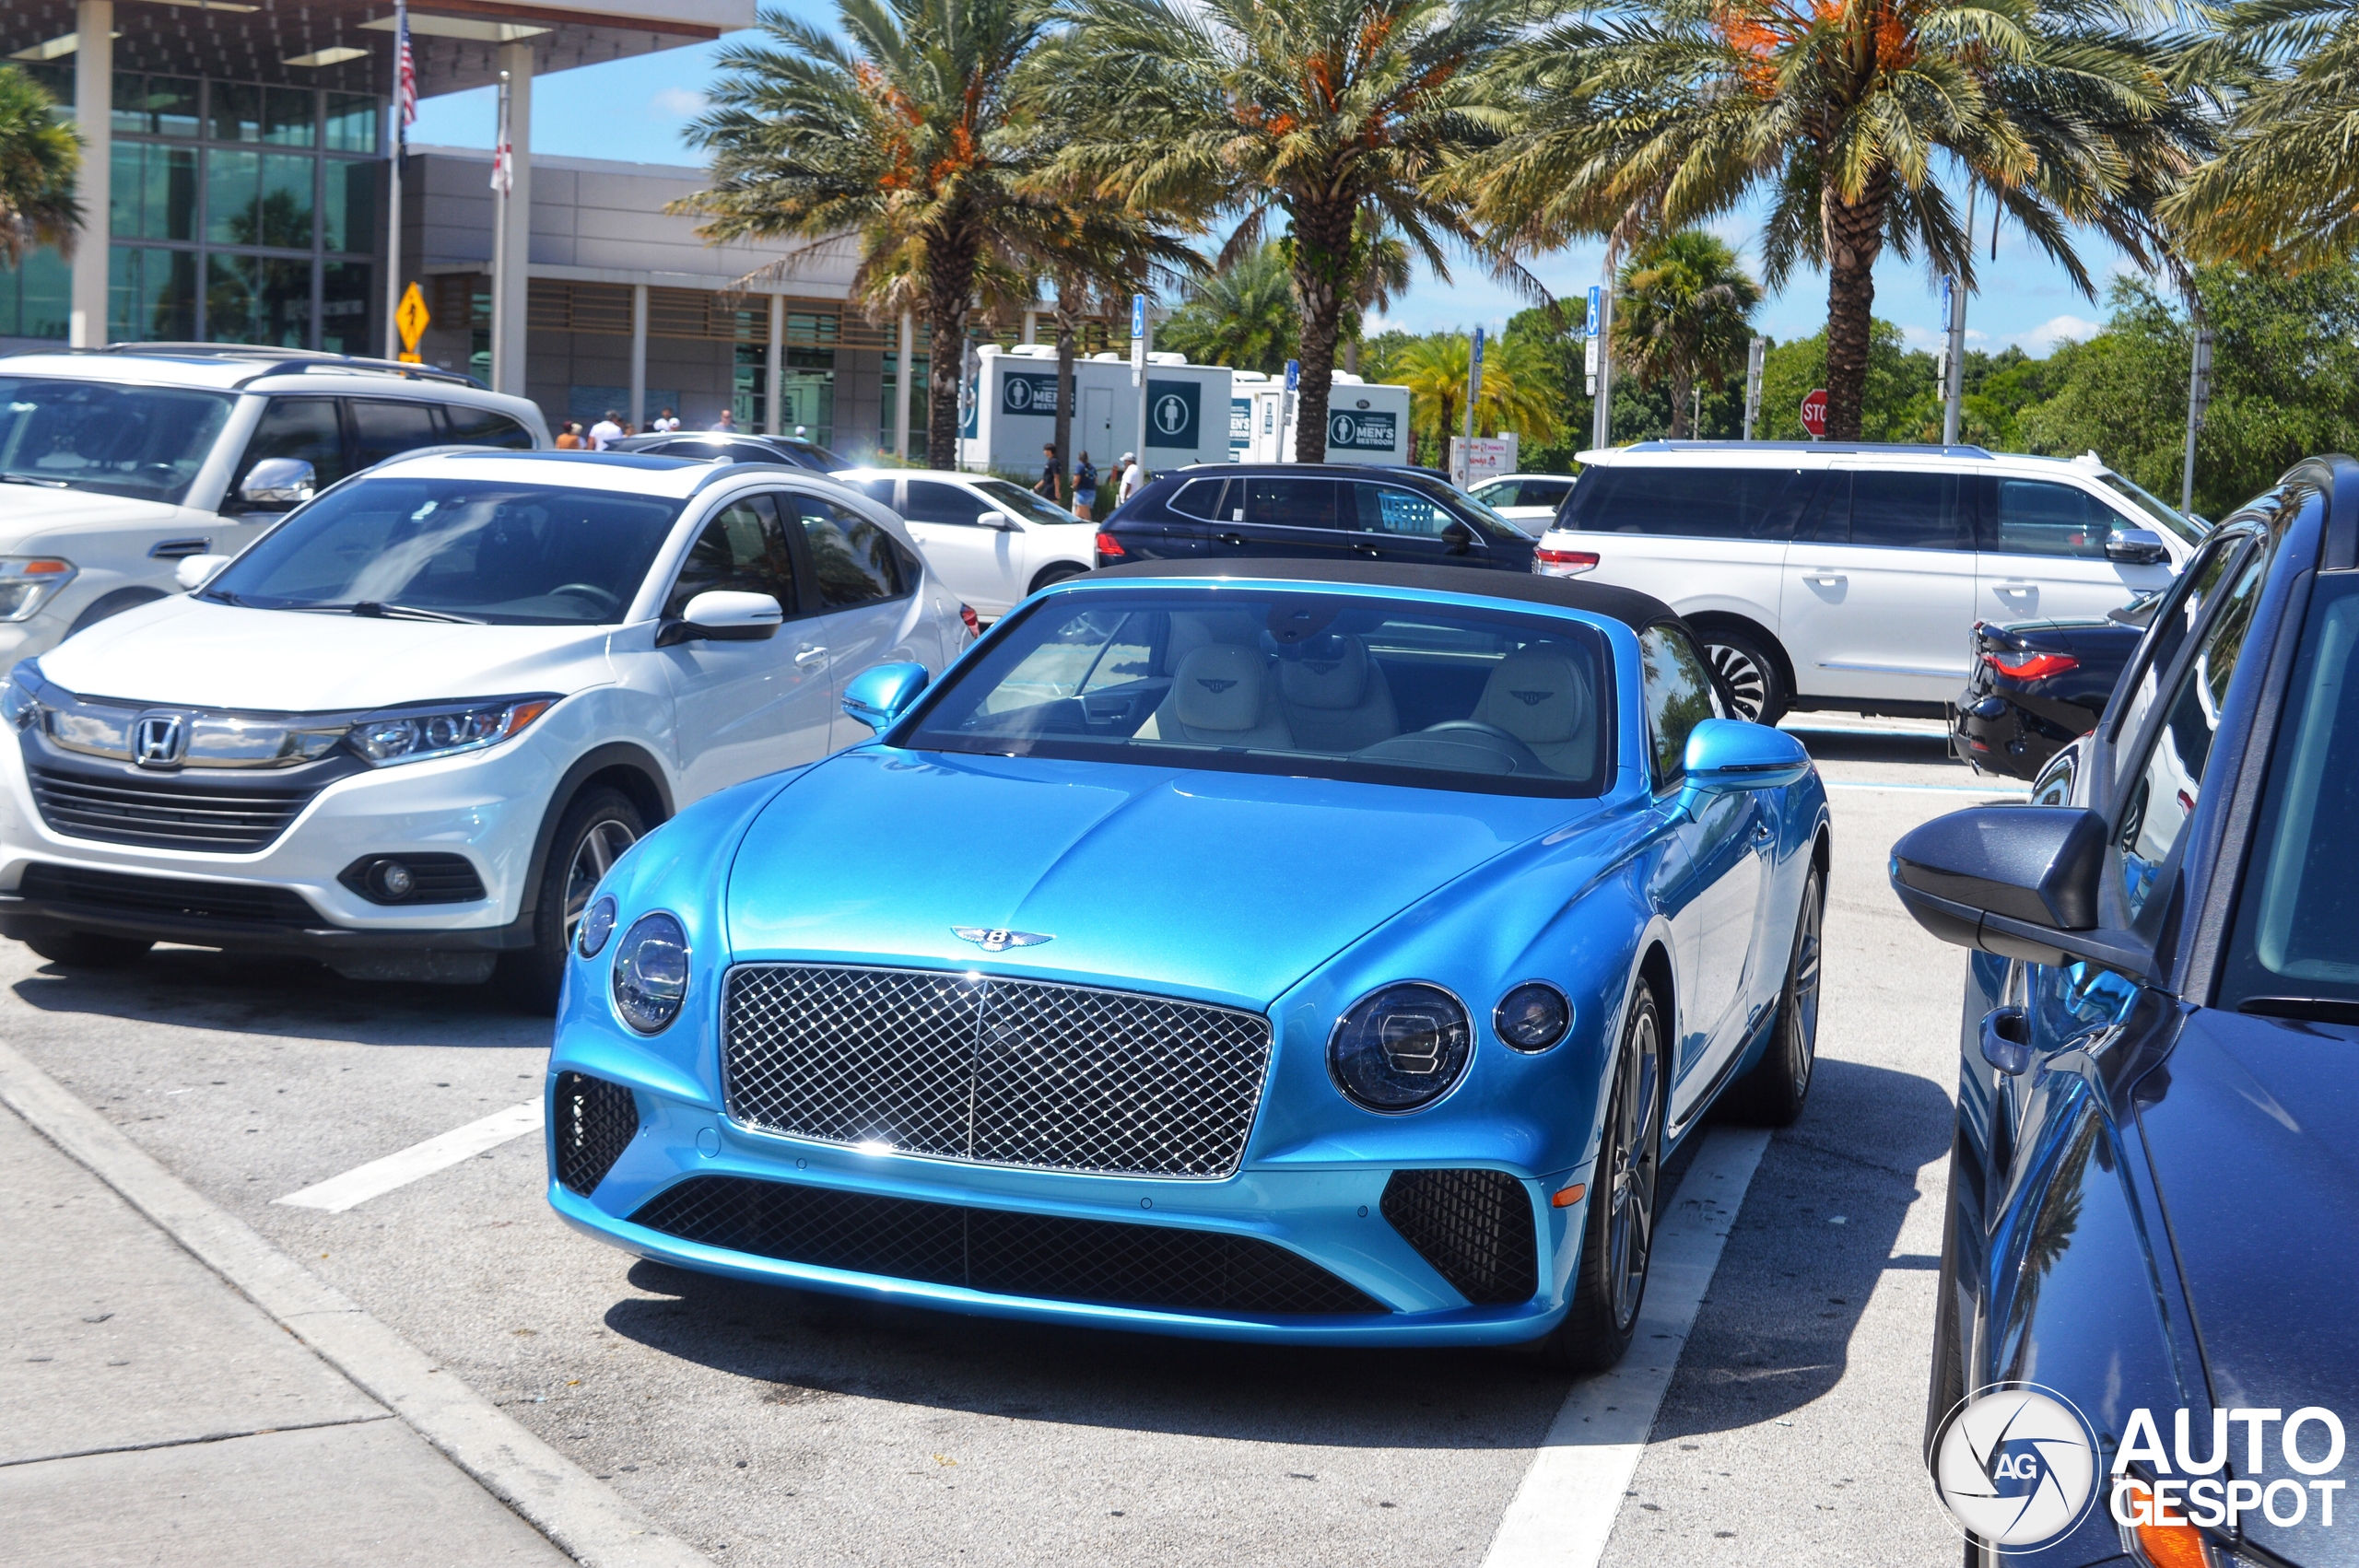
{"x":724,"y":616}
{"x":191,"y":571}
{"x":1458,"y":538}
{"x":1729,"y":753}
{"x":881,"y":694}
{"x":2135,"y":546}
{"x":278,"y":482}
{"x":2021,"y":881}
{"x":1000,"y":521}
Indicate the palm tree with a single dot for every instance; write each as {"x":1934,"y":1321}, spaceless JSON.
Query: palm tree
{"x":1518,"y":391}
{"x":1242,"y":315}
{"x":1858,"y":118}
{"x":907,"y":134}
{"x":1683,"y":310}
{"x":1344,"y":116}
{"x":40,"y":158}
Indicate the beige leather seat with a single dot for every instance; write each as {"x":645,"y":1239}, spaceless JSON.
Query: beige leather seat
{"x":1335,"y":697}
{"x":1222,"y":695}
{"x":1540,"y":697}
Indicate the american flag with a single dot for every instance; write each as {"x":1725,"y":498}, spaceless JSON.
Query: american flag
{"x":405,"y":78}
{"x":503,"y":152}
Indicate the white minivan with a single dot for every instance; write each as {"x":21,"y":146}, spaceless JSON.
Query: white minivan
{"x":1850,"y":576}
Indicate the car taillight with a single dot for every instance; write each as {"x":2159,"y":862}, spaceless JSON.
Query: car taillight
{"x":2038,"y":667}
{"x":974,"y":624}
{"x":1563,"y":563}
{"x":1109,"y":547}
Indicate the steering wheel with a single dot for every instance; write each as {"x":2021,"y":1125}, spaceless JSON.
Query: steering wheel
{"x":1526,"y":760}
{"x":606,"y":600}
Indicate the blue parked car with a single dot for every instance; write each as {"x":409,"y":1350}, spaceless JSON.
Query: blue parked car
{"x":1325,"y":953}
{"x":2152,"y":1191}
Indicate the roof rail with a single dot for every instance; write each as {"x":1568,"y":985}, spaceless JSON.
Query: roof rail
{"x":271,"y":361}
{"x":1849,"y":448}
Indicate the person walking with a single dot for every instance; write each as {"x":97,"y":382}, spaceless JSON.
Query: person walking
{"x":569,"y":439}
{"x":666,"y":422}
{"x":1085,"y":487}
{"x":1049,"y":475}
{"x":728,"y":421}
{"x":610,"y":429}
{"x":1133,"y":476}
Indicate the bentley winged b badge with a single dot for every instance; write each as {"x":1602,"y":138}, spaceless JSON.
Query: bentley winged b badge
{"x":998,"y":940}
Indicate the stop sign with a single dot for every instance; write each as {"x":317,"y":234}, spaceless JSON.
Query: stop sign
{"x":1815,"y":413}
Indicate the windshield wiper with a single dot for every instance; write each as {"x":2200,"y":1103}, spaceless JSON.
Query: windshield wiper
{"x":2308,"y":1009}
{"x":376,"y":611}
{"x":34,"y":479}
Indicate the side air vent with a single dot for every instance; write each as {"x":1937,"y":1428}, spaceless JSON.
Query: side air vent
{"x":1475,"y":1227}
{"x":595,"y":1121}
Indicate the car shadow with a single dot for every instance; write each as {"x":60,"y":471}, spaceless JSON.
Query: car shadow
{"x":1831,"y":745}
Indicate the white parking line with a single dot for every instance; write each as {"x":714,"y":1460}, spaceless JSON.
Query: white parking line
{"x":1565,"y":1507}
{"x":1988,"y":792}
{"x":379,"y":1177}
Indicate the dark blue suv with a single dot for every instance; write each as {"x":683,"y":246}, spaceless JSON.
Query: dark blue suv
{"x":1216,"y":512}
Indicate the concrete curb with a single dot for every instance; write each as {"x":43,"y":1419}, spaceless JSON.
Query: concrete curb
{"x":586,"y":1519}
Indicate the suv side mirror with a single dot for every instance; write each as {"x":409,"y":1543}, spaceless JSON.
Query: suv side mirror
{"x":2136,"y":546}
{"x":1458,"y":538}
{"x":724,"y":616}
{"x":1729,"y":753}
{"x":1000,"y":521}
{"x":278,"y":483}
{"x":190,"y":571}
{"x":881,"y":694}
{"x":2021,"y":881}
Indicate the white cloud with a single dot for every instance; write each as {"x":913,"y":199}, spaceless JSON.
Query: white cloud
{"x":1926,"y":338}
{"x":678,"y":103}
{"x":2044,"y":337}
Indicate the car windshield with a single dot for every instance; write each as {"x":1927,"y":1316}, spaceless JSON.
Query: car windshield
{"x":146,"y":442}
{"x":460,"y":549}
{"x":1325,"y":685}
{"x":1033,"y":507}
{"x":1483,"y":514}
{"x":2168,"y":515}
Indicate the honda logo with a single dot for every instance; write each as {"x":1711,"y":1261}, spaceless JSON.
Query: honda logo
{"x":159,"y":740}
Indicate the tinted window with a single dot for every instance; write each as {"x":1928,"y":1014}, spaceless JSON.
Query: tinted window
{"x":704,"y":451}
{"x":1024,"y":503}
{"x":1696,"y":503}
{"x":855,"y":560}
{"x":303,"y":427}
{"x":744,"y":550}
{"x":387,"y":429}
{"x":2167,"y":631}
{"x":1200,"y":497}
{"x":1290,"y":503}
{"x":2165,"y":790}
{"x":482,"y":428}
{"x":1679,"y":696}
{"x":2034,"y":516}
{"x":1538,"y":493}
{"x":877,"y":490}
{"x":933,"y":502}
{"x":1896,"y":510}
{"x":1389,"y":509}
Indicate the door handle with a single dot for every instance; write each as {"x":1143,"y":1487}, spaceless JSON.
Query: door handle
{"x":1371,"y":551}
{"x":2006,"y":1040}
{"x":2016,"y":588}
{"x":1230,"y":538}
{"x":806,"y":654}
{"x":1825,"y":579}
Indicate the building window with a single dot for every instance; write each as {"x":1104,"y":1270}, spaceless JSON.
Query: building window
{"x":37,"y":296}
{"x":151,"y":295}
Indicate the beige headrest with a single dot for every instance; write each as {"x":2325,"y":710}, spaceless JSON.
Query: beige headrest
{"x":1219,"y":687}
{"x":1538,"y":695}
{"x":1332,"y":672}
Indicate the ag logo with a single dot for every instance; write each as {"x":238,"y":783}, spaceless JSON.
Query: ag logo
{"x":2016,"y":1466}
{"x":1170,"y":414}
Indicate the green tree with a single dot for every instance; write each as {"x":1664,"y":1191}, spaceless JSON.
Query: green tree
{"x":1242,"y":316}
{"x":1683,"y":314}
{"x":1900,"y":400}
{"x":1345,"y":117}
{"x":1519,"y":389}
{"x":906,"y":132}
{"x":1849,"y":117}
{"x":41,"y":157}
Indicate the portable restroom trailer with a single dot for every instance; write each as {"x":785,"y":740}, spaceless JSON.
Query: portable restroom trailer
{"x":1365,"y":423}
{"x":1014,"y":412}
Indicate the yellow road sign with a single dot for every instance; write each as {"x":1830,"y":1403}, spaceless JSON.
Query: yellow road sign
{"x":406,"y":357}
{"x":410,"y":316}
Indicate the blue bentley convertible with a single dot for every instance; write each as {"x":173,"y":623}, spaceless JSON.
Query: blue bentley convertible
{"x":1323,"y":954}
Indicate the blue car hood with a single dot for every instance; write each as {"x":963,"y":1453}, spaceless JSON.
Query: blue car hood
{"x":1226,"y":885}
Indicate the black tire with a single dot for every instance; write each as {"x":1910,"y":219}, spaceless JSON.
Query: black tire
{"x":1617,"y":1238}
{"x":1750,"y":672}
{"x":1773,"y":1092}
{"x":107,"y":605}
{"x":89,"y":949}
{"x":1059,"y":572}
{"x":596,"y":828}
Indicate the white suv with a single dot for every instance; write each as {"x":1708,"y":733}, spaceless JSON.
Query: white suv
{"x":1845,"y":576}
{"x":407,"y":730}
{"x":117,"y":466}
{"x":995,"y":544}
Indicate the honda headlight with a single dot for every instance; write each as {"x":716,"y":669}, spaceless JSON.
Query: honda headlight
{"x":1401,"y":1047}
{"x":28,"y":582}
{"x":416,"y":734}
{"x":652,"y":972}
{"x":19,"y":708}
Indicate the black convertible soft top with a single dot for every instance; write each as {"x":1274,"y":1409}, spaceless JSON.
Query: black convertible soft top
{"x":1632,"y":608}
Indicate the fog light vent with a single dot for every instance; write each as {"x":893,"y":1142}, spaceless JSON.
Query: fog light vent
{"x":595,"y":1121}
{"x":414,"y":879}
{"x":1475,"y":1227}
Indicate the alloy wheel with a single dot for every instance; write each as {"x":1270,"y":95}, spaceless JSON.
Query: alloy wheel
{"x":599,"y":849}
{"x":1747,"y":682}
{"x":1801,"y":1012}
{"x":1629,"y":1233}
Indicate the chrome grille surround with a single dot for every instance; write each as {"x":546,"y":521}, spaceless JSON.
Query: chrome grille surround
{"x":990,"y":1070}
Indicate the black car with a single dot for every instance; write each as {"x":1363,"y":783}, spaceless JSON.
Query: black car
{"x":728,"y":445}
{"x":1317,"y":511}
{"x":2036,"y":685}
{"x":2153,"y":1207}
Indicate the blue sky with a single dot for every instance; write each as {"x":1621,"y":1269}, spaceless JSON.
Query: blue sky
{"x":634,"y":109}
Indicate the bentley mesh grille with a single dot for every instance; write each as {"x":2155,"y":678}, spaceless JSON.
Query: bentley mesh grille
{"x":1041,"y":1256}
{"x":162,"y":812}
{"x":1012,"y":1072}
{"x":595,"y":1122}
{"x":1475,"y":1227}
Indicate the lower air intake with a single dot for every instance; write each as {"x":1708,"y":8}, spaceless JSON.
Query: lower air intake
{"x":1475,"y":1227}
{"x":985,"y":1250}
{"x":595,"y":1121}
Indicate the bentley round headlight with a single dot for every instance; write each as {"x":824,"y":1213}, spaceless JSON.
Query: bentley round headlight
{"x":597,"y":925}
{"x":652,"y":972}
{"x":1533,"y":1016}
{"x":1401,"y":1047}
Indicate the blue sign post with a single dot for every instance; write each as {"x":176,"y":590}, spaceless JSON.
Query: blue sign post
{"x":1286,"y":411}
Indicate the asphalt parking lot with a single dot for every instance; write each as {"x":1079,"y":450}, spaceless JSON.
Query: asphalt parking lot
{"x":764,"y":1427}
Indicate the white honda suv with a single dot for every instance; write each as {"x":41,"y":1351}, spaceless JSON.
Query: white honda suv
{"x":1850,"y":576}
{"x":407,"y":730}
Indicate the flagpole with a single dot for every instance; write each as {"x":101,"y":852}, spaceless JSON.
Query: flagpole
{"x":500,"y":185}
{"x":404,"y":110}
